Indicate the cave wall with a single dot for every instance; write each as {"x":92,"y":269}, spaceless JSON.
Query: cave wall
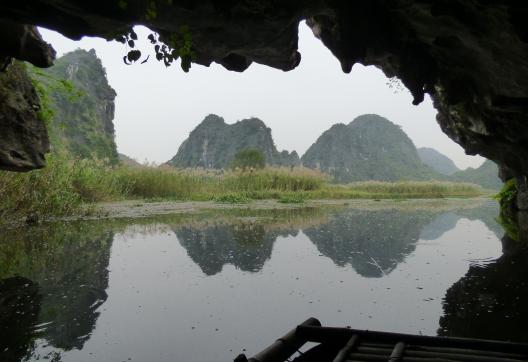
{"x":23,"y":136}
{"x":470,"y":56}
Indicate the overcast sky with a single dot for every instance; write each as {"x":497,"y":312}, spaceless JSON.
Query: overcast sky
{"x":157,"y":107}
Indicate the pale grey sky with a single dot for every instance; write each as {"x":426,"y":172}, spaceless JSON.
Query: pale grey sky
{"x":157,"y":107}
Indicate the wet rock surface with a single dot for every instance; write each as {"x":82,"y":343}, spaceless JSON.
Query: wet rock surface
{"x":24,"y":43}
{"x":19,"y":309}
{"x":474,"y":307}
{"x":23,"y":135}
{"x":471,"y":57}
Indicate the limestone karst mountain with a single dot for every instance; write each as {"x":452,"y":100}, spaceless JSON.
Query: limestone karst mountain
{"x":213,"y":144}
{"x":368,"y":148}
{"x":80,"y":105}
{"x":437,"y":161}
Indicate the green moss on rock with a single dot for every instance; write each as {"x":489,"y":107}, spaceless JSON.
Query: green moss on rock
{"x":81,"y":105}
{"x":508,"y":209}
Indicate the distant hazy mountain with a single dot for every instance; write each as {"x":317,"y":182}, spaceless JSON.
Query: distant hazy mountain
{"x":437,"y":161}
{"x":487,"y":175}
{"x":128,"y":161}
{"x":213,"y":144}
{"x":368,"y":148}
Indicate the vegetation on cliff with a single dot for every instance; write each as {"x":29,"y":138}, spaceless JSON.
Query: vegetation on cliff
{"x":80,"y":105}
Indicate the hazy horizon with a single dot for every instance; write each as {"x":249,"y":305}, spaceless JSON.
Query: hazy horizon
{"x":157,"y":107}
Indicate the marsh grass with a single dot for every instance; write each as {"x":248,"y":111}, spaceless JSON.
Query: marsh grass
{"x":201,"y":185}
{"x":66,"y":186}
{"x":292,"y":198}
{"x":397,"y":190}
{"x":232,"y":198}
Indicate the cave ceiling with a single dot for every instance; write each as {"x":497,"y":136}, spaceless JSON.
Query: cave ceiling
{"x":471,"y":57}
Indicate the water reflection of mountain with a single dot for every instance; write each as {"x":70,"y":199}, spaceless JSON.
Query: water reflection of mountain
{"x":490,"y":300}
{"x":439,"y":226}
{"x":372,"y":242}
{"x":65,"y":266}
{"x":487,"y":213}
{"x":69,"y":265}
{"x":19,"y":310}
{"x":246,"y":245}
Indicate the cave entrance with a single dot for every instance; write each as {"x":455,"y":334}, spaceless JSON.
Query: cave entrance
{"x":274,"y":245}
{"x":156,"y":108}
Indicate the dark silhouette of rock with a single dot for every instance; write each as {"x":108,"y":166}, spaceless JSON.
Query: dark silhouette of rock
{"x":23,"y":136}
{"x":489,"y":302}
{"x":19,"y":310}
{"x":24,"y":43}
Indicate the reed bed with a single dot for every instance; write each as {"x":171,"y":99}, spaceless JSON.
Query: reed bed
{"x":62,"y":188}
{"x":67,"y":185}
{"x":400,"y":189}
{"x":206,"y":185}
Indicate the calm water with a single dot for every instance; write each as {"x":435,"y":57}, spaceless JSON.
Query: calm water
{"x":206,"y":287}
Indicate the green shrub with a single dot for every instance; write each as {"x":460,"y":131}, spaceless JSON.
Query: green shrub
{"x":232,"y":199}
{"x":249,"y":159}
{"x":508,"y":193}
{"x":292,"y":198}
{"x":61,"y":188}
{"x":507,"y":217}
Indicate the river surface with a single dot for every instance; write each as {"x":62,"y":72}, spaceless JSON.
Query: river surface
{"x":210,"y":285}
